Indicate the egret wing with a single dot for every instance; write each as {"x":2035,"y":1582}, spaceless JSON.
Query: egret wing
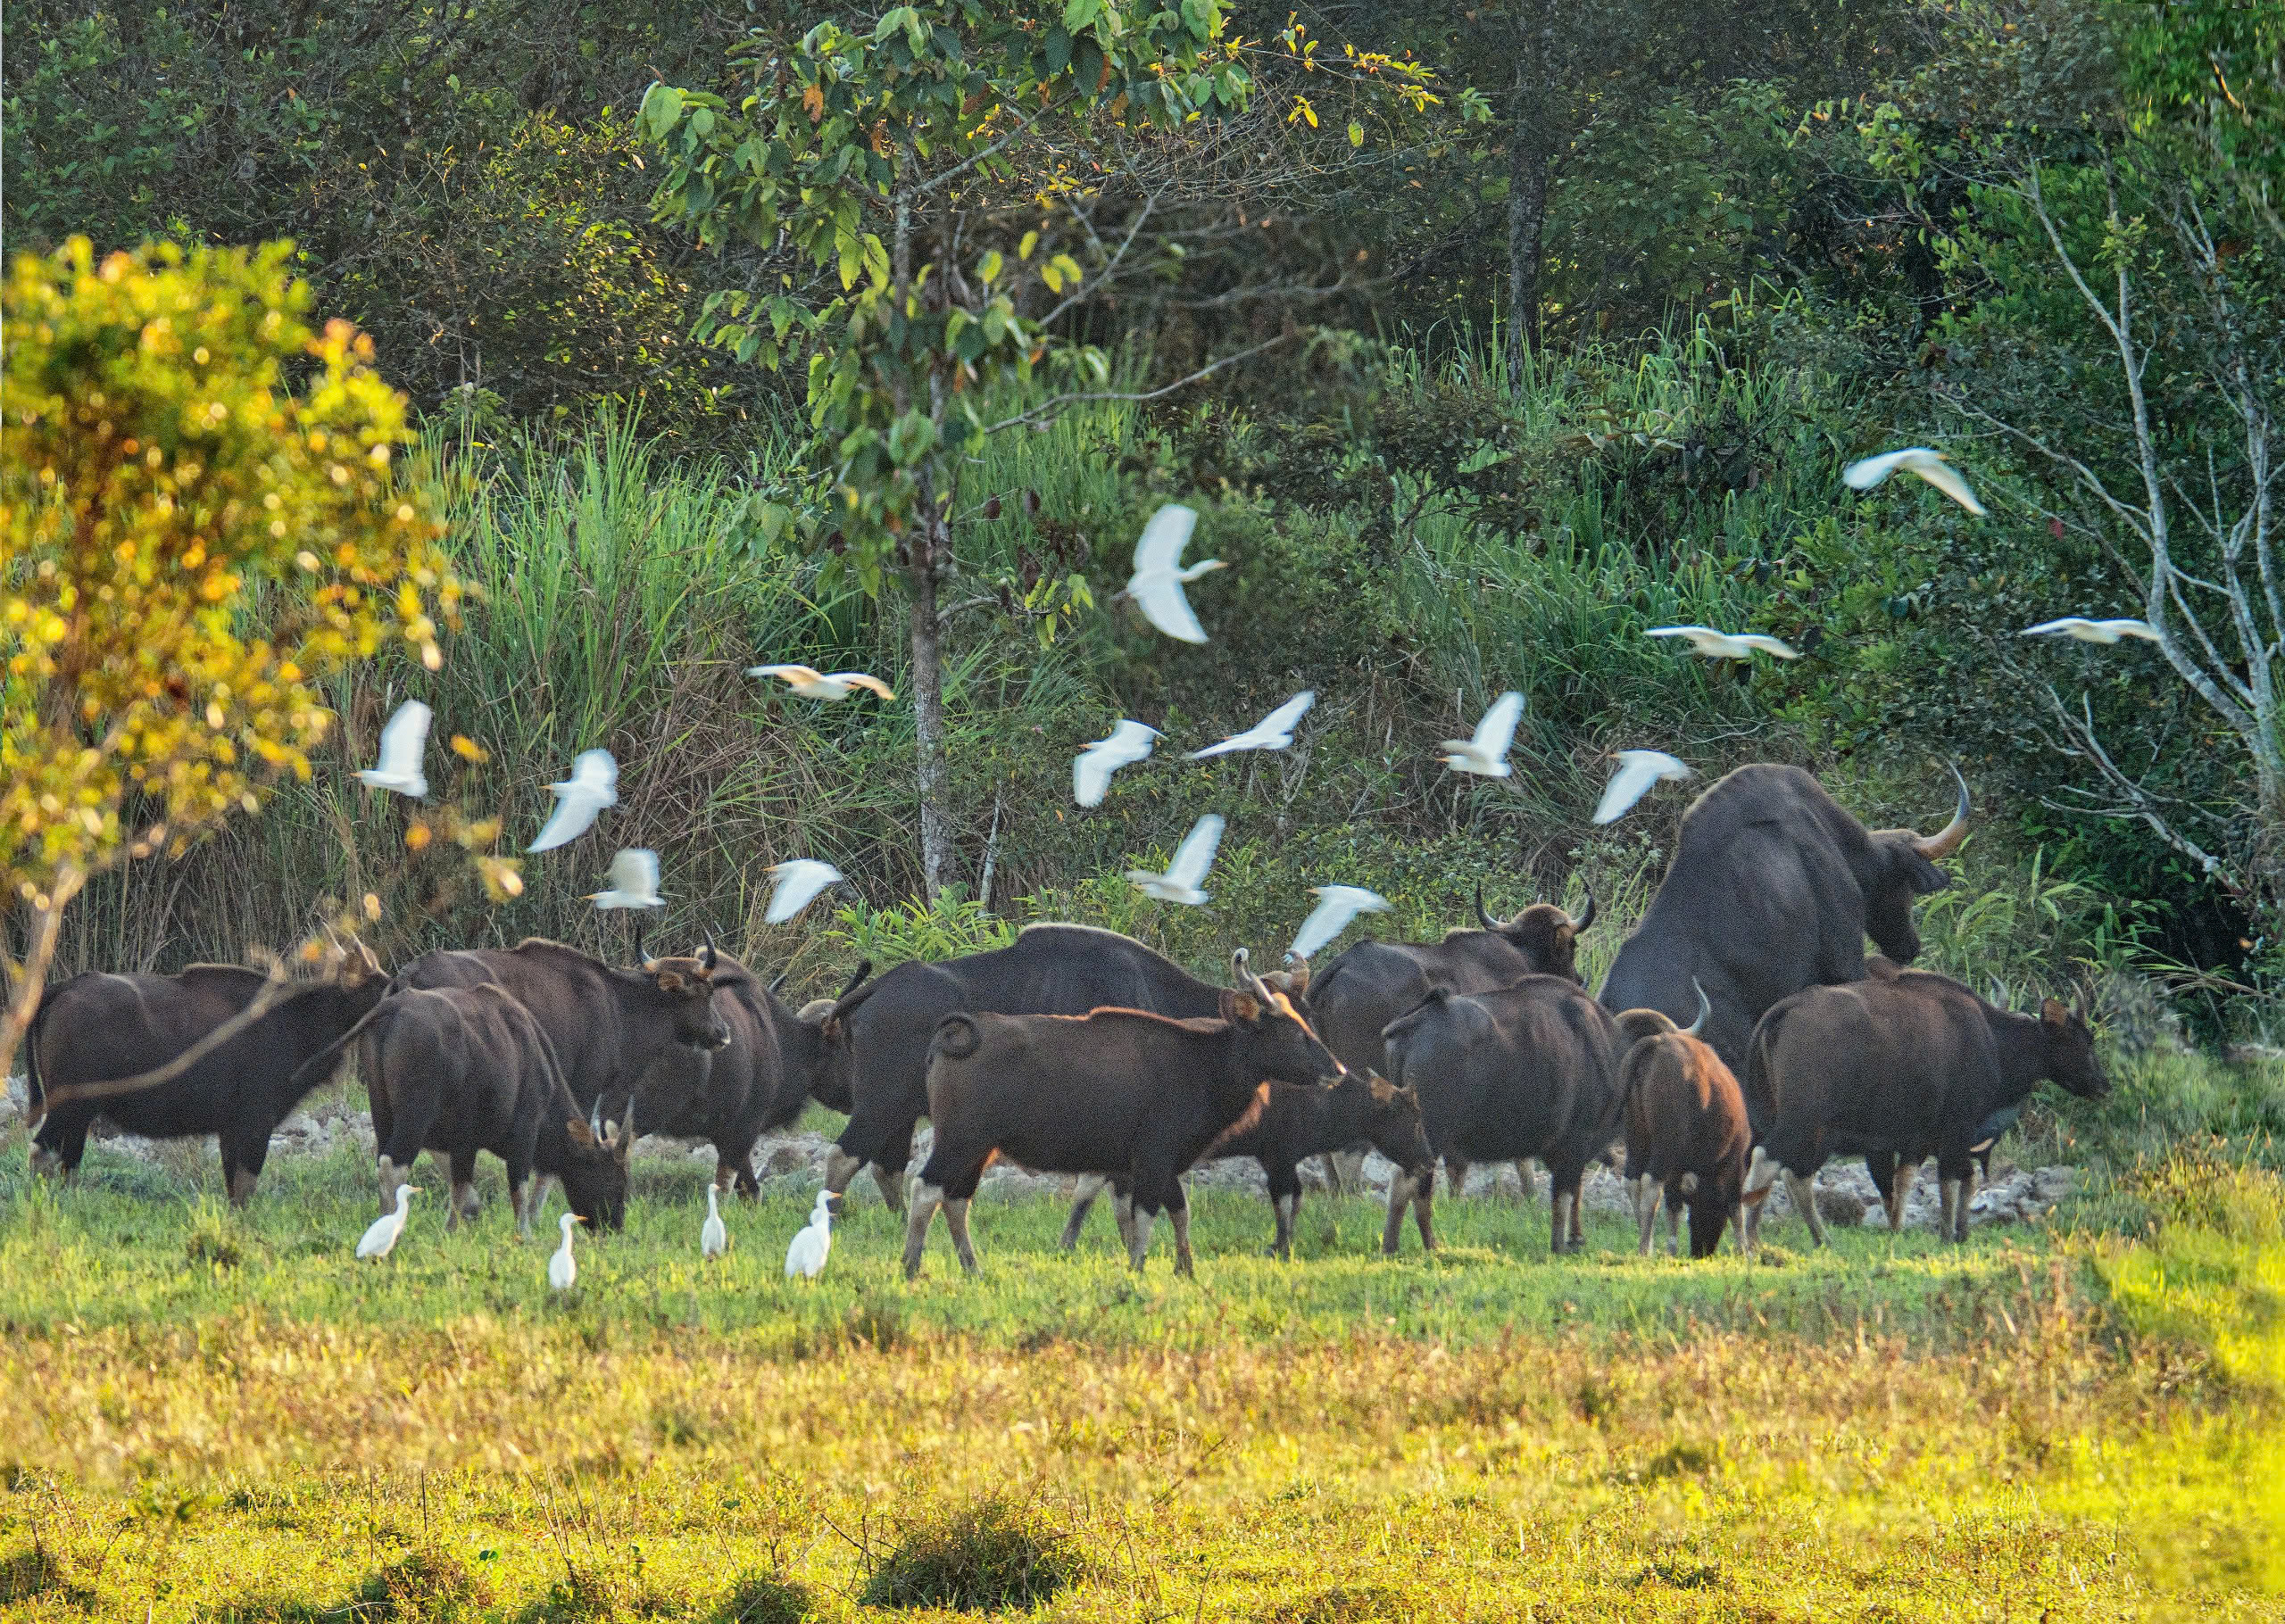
{"x":798,"y":883}
{"x":1159,"y":550}
{"x":1166,"y":606}
{"x":1337,"y":905}
{"x":404,"y":740}
{"x":1497,"y":730}
{"x":1195,"y":855}
{"x":2069,"y":622}
{"x":1288,"y":716}
{"x":1867,"y":472}
{"x":1947,"y":479}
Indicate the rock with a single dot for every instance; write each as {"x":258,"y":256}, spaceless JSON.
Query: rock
{"x":1836,"y":1204}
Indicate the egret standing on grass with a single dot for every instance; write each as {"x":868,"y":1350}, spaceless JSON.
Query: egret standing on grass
{"x":561,"y":1272}
{"x":402,"y":739}
{"x":1156,"y":585}
{"x":1930,"y":466}
{"x":1726,"y":645}
{"x":807,"y":1255}
{"x":389,"y":1226}
{"x":1337,"y":905}
{"x":1638,"y":770}
{"x":713,"y":1238}
{"x":2094,"y":631}
{"x":1092,"y":767}
{"x":579,"y":800}
{"x":1191,"y":860}
{"x":813,"y":684}
{"x":799,"y":882}
{"x":1273,"y":731}
{"x":1486,"y":753}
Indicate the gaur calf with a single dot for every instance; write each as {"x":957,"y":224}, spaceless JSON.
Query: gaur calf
{"x":1900,"y":1068}
{"x":1303,"y":1120}
{"x":1687,"y":1138}
{"x":1133,"y":1095}
{"x":464,"y":1069}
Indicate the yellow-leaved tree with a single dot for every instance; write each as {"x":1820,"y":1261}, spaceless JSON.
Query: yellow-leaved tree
{"x":202,"y":518}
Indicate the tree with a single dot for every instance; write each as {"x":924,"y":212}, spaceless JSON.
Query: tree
{"x":204,"y":520}
{"x":938,"y":166}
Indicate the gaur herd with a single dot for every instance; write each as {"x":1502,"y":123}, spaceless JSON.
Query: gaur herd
{"x":1081,"y":1051}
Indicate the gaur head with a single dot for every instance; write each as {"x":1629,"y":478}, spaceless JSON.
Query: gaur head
{"x":2070,"y":1059}
{"x":1903,"y":866}
{"x":595,"y":1173}
{"x":1393,"y":1121}
{"x":824,"y":1040}
{"x":687,"y":986}
{"x":1544,"y":933}
{"x":1280,"y":1044}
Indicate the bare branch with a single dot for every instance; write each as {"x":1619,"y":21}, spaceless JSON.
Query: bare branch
{"x":2140,"y":803}
{"x":1055,"y":403}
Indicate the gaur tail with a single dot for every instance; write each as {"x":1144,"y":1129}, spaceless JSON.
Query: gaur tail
{"x":958,"y":1037}
{"x":35,"y":1091}
{"x":1436,"y":999}
{"x":320,"y":1065}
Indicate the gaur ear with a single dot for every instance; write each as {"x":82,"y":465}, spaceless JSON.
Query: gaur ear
{"x":670,"y":981}
{"x":1384,"y":1091}
{"x":1244,"y":1007}
{"x":2053,"y":1012}
{"x":581,"y":1134}
{"x":1923,"y":875}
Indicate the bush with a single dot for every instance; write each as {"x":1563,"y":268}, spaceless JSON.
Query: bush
{"x":425,"y":1586}
{"x":988,"y":1557}
{"x":765,"y":1598}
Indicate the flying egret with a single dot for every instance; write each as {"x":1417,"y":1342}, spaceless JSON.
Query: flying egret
{"x":1273,"y":731}
{"x":1638,"y":770}
{"x":1191,"y":860}
{"x":1156,"y":585}
{"x":807,"y":1254}
{"x":1726,"y":645}
{"x":1486,"y":754}
{"x":633,"y":880}
{"x":813,"y":684}
{"x":1092,"y":767}
{"x":799,"y":882}
{"x":2094,"y":631}
{"x":1931,"y":465}
{"x":579,"y":800}
{"x":713,"y":1240}
{"x":402,"y":739}
{"x":389,"y":1226}
{"x":561,"y":1272}
{"x":1337,"y":905}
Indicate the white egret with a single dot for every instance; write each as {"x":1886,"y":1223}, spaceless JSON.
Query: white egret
{"x":1156,"y":585}
{"x":1337,"y":905}
{"x":2094,"y":631}
{"x":799,"y":882}
{"x":1486,"y":753}
{"x":1931,"y":465}
{"x":1726,"y":645}
{"x":807,"y":1255}
{"x":562,"y":1270}
{"x":633,"y":880}
{"x":1273,"y":731}
{"x":1638,"y":770}
{"x":1191,"y":860}
{"x":402,"y":739}
{"x":1092,"y":767}
{"x":389,"y":1226}
{"x":813,"y":684}
{"x":713,"y":1238}
{"x":579,"y":800}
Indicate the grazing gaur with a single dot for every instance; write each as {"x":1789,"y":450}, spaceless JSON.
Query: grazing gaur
{"x":1531,"y":1069}
{"x":1687,"y":1138}
{"x":878,"y":1036}
{"x":1896,"y":1069}
{"x":1137,"y":1097}
{"x":606,"y":1025}
{"x":1773,"y":888}
{"x":1303,"y":1120}
{"x":1374,"y":982}
{"x":754,"y":1084}
{"x":99,"y":1029}
{"x":463,"y":1069}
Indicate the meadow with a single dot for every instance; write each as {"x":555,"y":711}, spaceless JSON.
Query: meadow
{"x":222,"y":1416}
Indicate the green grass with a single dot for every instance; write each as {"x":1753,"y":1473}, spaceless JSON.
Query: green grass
{"x":222,"y":1416}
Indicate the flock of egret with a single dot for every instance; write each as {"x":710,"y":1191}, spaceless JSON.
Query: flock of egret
{"x":1156,"y":587}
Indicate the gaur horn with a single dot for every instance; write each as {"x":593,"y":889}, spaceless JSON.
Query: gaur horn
{"x":1489,"y":923}
{"x":1297,"y":974}
{"x":1998,"y":994}
{"x":1586,"y":915}
{"x":777,"y":986}
{"x":1240,"y":962}
{"x":1946,"y":840}
{"x":706,"y":955}
{"x":1697,"y":1028}
{"x":595,"y":1118}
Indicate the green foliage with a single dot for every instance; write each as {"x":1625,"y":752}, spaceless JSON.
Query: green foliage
{"x":992,"y":1556}
{"x":951,"y":925}
{"x":2214,"y":70}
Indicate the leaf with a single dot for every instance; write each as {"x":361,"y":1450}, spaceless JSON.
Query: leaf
{"x":1356,"y":133}
{"x":1052,"y":276}
{"x":813,"y":100}
{"x":662,"y":107}
{"x":1024,"y":249}
{"x":989,"y":271}
{"x":1059,"y":49}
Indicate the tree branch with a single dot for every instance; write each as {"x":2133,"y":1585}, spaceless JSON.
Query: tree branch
{"x":1057,"y":403}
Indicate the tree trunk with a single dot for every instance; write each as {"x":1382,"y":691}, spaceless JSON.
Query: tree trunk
{"x":1533,"y":123}
{"x":928,"y":711}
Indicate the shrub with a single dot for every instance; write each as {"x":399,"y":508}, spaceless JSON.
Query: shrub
{"x":425,"y":1586}
{"x":987,"y":1557}
{"x":765,"y":1598}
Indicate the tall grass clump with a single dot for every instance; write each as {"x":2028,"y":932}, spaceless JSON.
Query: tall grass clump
{"x":994,"y":1555}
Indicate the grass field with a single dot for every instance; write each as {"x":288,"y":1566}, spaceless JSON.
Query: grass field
{"x":215,"y":1416}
